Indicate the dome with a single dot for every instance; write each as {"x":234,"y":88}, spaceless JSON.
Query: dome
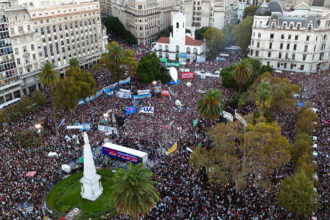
{"x":263,"y":10}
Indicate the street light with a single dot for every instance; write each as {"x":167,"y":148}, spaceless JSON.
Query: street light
{"x":106,"y":116}
{"x":154,"y":82}
{"x":38,"y":127}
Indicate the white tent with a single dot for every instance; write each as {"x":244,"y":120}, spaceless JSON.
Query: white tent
{"x":66,"y":168}
{"x":52,"y":154}
{"x":173,"y":73}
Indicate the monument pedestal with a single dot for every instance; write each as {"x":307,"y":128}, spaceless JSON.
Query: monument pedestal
{"x":91,"y":188}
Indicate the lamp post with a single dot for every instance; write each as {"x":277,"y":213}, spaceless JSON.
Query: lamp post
{"x":38,"y":127}
{"x":154,"y":82}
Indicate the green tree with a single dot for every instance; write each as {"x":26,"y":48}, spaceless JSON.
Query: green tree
{"x":149,"y":69}
{"x":211,"y":104}
{"x":78,"y":84}
{"x":133,"y":191}
{"x":165,"y":32}
{"x":243,"y":40}
{"x":307,"y":120}
{"x":303,"y":144}
{"x":49,"y":76}
{"x":213,"y":39}
{"x":227,"y":78}
{"x":117,"y":56}
{"x":239,"y":153}
{"x":263,"y":97}
{"x":199,"y":33}
{"x":296,"y":194}
{"x":130,"y":62}
{"x":242,"y":73}
{"x":74,"y":62}
{"x":39,"y":99}
{"x":305,"y":163}
{"x":250,"y":11}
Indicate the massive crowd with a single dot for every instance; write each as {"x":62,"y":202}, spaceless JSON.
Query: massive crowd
{"x":184,"y":192}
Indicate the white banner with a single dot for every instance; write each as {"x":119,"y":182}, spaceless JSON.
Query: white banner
{"x":124,"y":95}
{"x":143,"y":92}
{"x":148,"y":110}
{"x":125,"y":90}
{"x":107,"y":129}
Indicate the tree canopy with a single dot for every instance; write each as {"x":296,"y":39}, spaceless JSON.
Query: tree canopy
{"x":296,"y":194}
{"x":307,"y":119}
{"x":149,"y":69}
{"x":199,"y":33}
{"x":244,"y":40}
{"x":210,"y":104}
{"x":49,"y":76}
{"x":239,"y":154}
{"x":250,"y":11}
{"x":214,"y":40}
{"x":242,"y":72}
{"x":133,"y":191}
{"x":165,"y":32}
{"x":74,"y":62}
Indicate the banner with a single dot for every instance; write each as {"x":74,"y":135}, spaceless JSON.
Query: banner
{"x":143,"y":92}
{"x":125,"y":81}
{"x":148,"y":110}
{"x":124,"y":95}
{"x":130,"y":110}
{"x":186,"y":75}
{"x":165,"y":93}
{"x":99,"y":93}
{"x":182,"y":55}
{"x":83,"y":127}
{"x":201,"y":60}
{"x":172,"y":64}
{"x":158,"y":88}
{"x":135,"y":97}
{"x":87,"y":100}
{"x":107,"y":129}
{"x":61,"y":123}
{"x":111,"y":87}
{"x":173,"y":148}
{"x":164,"y":60}
{"x":120,"y":155}
{"x":221,"y":59}
{"x":108,"y":92}
{"x":125,"y":90}
{"x":81,"y":101}
{"x":174,"y":82}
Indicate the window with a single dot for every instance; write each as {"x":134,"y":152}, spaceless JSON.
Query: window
{"x":257,"y":53}
{"x":18,"y":61}
{"x":288,"y":46}
{"x":269,"y":54}
{"x":307,"y":38}
{"x":289,"y":36}
{"x":282,"y":36}
{"x":304,"y":57}
{"x":302,"y":67}
{"x":271,"y":36}
{"x":32,"y":46}
{"x":295,"y":47}
{"x":306,"y":48}
{"x":298,"y":26}
{"x":270,"y":45}
{"x":293,"y":56}
{"x":280,"y":55}
{"x":258,"y":44}
{"x":296,"y":37}
{"x":177,"y":24}
{"x":259,"y":35}
{"x":281,"y":46}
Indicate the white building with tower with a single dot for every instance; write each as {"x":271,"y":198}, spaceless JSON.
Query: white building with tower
{"x":179,"y":44}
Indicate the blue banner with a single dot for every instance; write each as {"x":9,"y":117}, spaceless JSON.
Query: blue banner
{"x":81,"y":101}
{"x":125,"y":81}
{"x":87,"y":100}
{"x":174,"y":82}
{"x":135,"y":97}
{"x":111,"y":87}
{"x":85,"y":126}
{"x":120,"y":155}
{"x":108,"y":92}
{"x":130,"y":110}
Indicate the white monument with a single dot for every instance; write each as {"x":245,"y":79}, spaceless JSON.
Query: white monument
{"x":91,"y":188}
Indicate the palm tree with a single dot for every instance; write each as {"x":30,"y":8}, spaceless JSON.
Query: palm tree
{"x":242,"y":73}
{"x":263,"y":97}
{"x":133,"y":191}
{"x":117,"y":55}
{"x":74,"y":62}
{"x":49,"y":76}
{"x":211,"y":104}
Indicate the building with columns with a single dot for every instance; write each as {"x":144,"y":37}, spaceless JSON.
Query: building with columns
{"x":179,"y":42}
{"x":54,"y":31}
{"x":143,"y":18}
{"x":297,"y":40}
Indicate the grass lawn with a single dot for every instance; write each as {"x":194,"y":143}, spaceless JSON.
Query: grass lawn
{"x":66,"y":196}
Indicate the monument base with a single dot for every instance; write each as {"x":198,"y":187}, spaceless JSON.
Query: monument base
{"x":91,"y":188}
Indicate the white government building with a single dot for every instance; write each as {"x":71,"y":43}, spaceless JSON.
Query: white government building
{"x":50,"y":30}
{"x":179,"y":42}
{"x":297,"y":40}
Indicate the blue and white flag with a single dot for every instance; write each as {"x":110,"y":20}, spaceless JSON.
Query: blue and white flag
{"x":124,"y":95}
{"x":99,"y":93}
{"x":81,"y":101}
{"x":125,"y":81}
{"x":61,"y":123}
{"x":143,"y":92}
{"x":130,"y":110}
{"x":174,"y":82}
{"x":135,"y":97}
{"x":87,"y":100}
{"x":111,"y":87}
{"x":108,"y":92}
{"x":148,"y":110}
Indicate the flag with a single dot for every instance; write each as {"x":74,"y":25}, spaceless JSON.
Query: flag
{"x":173,"y":148}
{"x":195,"y":122}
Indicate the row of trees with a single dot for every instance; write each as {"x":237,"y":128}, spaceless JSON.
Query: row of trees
{"x":114,"y":25}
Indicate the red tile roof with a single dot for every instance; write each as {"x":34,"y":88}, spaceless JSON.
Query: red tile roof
{"x":163,"y":40}
{"x":192,"y":42}
{"x":189,"y":41}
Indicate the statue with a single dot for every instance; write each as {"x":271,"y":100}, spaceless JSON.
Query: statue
{"x":91,"y":188}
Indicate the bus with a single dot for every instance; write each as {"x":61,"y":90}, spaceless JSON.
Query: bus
{"x":124,"y":153}
{"x":11,"y":102}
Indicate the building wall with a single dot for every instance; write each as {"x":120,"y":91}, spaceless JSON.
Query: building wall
{"x":292,"y":49}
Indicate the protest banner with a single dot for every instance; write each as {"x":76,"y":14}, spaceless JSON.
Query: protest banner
{"x":143,"y":92}
{"x":111,"y":87}
{"x":135,"y":97}
{"x":130,"y":110}
{"x":125,"y":81}
{"x":107,"y":129}
{"x":124,"y":95}
{"x":164,"y":60}
{"x":108,"y":92}
{"x":186,"y":75}
{"x":165,"y":93}
{"x":158,"y":88}
{"x":172,"y":64}
{"x":148,"y":110}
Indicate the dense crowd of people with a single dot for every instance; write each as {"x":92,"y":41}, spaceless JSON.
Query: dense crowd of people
{"x":184,"y":192}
